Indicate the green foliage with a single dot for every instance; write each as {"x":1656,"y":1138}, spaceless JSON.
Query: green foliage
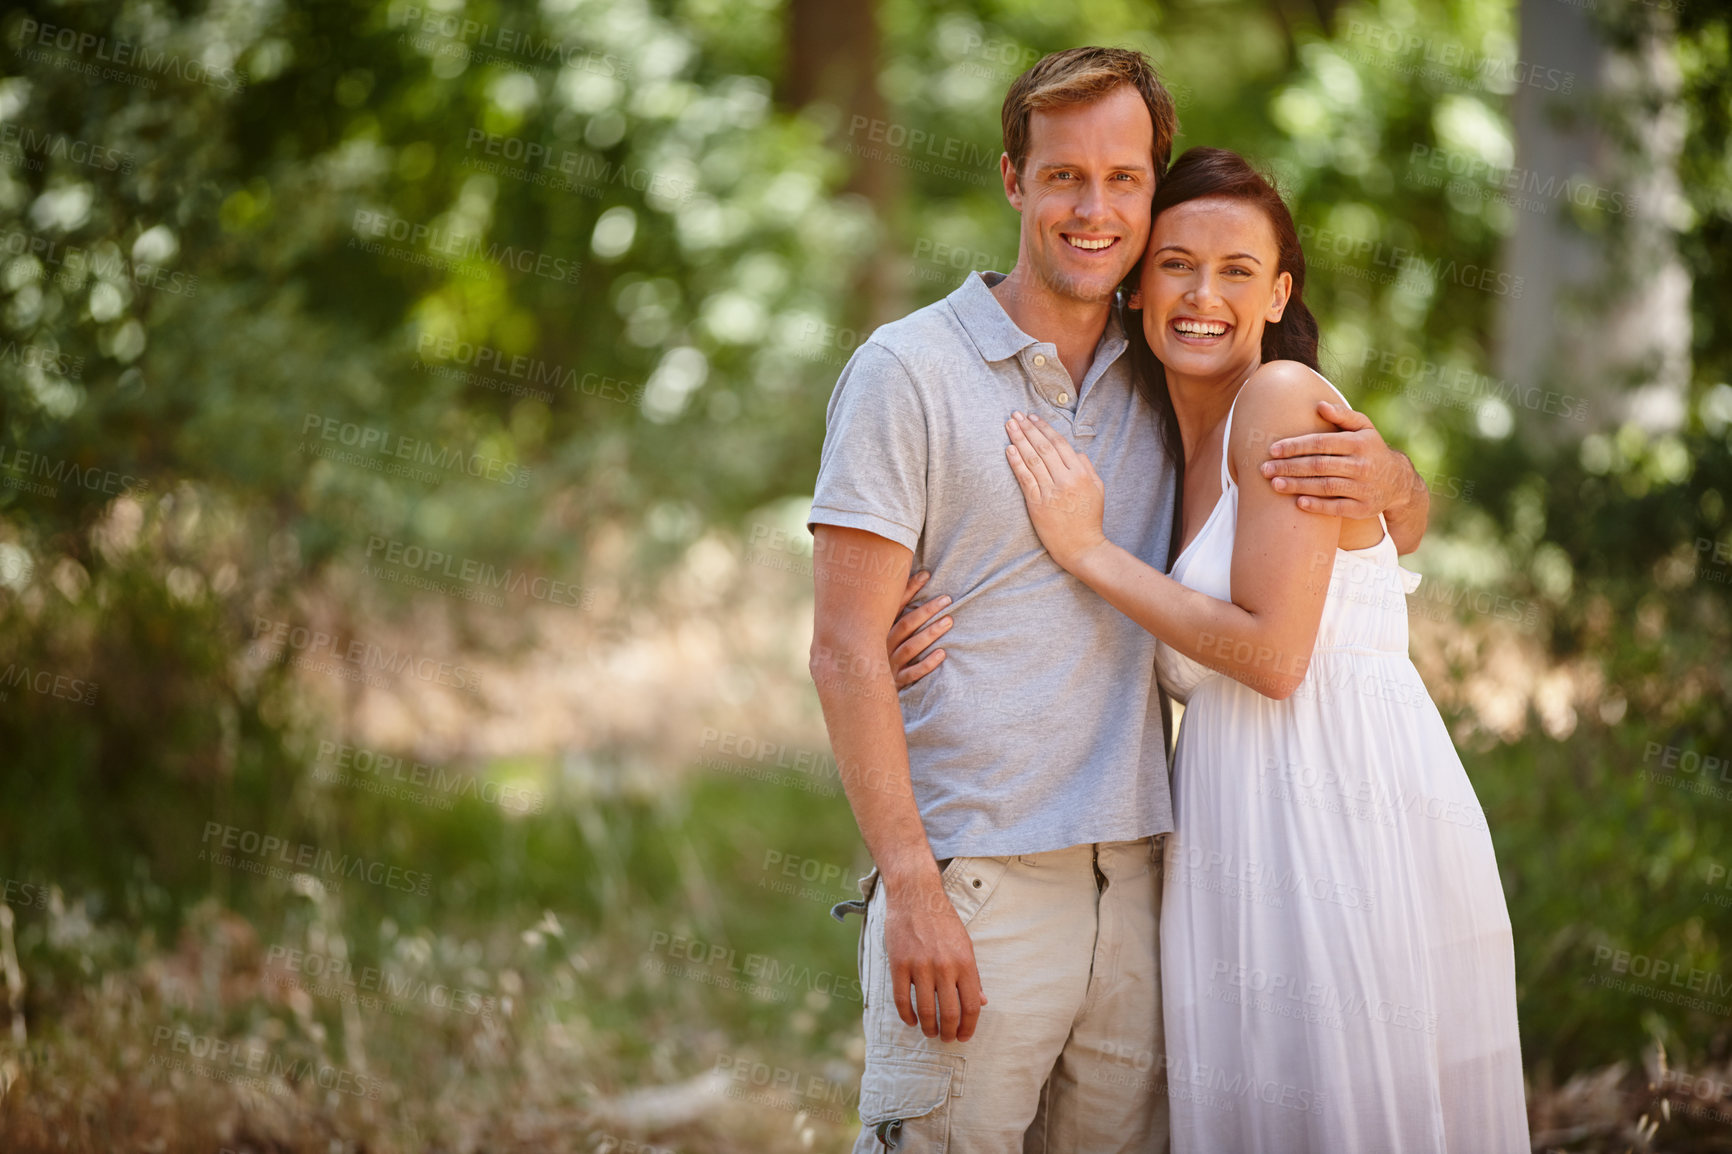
{"x":634,"y":226}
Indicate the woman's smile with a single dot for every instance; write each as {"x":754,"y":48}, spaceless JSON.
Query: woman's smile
{"x":1200,"y":332}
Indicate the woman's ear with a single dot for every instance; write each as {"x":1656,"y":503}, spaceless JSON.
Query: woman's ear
{"x":1283,"y":290}
{"x":1136,"y":301}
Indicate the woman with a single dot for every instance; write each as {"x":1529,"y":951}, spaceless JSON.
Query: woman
{"x":1336,"y":956}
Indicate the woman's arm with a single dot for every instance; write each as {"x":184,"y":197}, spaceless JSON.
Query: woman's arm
{"x":1282,"y":556}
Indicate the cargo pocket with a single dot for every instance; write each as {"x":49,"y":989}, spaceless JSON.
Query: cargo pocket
{"x":905,"y":1097}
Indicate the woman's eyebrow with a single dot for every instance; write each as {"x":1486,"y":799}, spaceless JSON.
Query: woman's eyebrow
{"x":1188,"y":252}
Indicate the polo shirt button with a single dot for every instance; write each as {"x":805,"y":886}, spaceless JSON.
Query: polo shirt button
{"x":1064,"y":398}
{"x":1039,"y":360}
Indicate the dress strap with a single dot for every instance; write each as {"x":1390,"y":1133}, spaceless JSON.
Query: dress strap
{"x":1227,"y":442}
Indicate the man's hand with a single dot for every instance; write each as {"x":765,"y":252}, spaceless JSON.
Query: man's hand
{"x":929,"y":952}
{"x":911,"y":636}
{"x":1350,"y":474}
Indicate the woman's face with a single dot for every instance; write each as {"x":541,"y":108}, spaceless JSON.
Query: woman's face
{"x":1209,"y":286}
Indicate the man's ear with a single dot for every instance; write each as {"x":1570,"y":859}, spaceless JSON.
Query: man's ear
{"x":1283,"y":290}
{"x":1012,"y":183}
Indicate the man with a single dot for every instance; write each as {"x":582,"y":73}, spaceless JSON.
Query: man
{"x":1013,"y":800}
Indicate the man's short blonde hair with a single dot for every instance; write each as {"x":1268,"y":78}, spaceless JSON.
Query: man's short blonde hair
{"x":1083,"y":76}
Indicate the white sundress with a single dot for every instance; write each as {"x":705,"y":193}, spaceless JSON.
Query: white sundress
{"x":1337,"y":967}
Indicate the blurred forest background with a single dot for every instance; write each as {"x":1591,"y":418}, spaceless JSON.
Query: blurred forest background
{"x":407,"y":418}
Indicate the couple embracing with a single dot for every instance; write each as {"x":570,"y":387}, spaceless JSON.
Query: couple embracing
{"x":1295,"y":940}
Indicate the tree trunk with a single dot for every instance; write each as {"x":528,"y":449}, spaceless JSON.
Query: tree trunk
{"x":1604,"y":311}
{"x":833,"y":57}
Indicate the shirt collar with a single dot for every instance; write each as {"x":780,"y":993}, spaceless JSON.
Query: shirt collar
{"x":998,"y":337}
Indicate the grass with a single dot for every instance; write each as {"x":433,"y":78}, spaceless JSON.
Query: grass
{"x":650,"y":965}
{"x":564,"y":961}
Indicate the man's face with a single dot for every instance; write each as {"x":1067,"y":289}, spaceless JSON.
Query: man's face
{"x":1084,"y":194}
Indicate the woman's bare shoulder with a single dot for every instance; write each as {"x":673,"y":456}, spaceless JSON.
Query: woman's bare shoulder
{"x":1280,"y":400}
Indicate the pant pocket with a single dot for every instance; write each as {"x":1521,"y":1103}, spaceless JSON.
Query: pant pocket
{"x":970,"y":883}
{"x":905,"y":1097}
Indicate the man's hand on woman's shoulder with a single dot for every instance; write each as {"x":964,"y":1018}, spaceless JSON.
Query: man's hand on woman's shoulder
{"x":1350,"y":473}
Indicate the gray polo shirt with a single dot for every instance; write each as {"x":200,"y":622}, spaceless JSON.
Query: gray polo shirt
{"x":1042,"y":728}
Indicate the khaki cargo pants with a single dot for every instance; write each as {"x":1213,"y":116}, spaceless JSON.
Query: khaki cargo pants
{"x":1067,"y":1057}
